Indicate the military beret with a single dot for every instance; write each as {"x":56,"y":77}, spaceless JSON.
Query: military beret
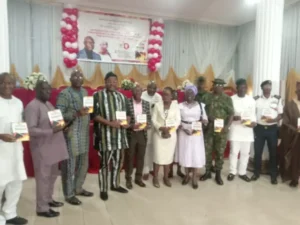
{"x":240,"y":82}
{"x":219,"y":82}
{"x":201,"y":79}
{"x":266,"y":82}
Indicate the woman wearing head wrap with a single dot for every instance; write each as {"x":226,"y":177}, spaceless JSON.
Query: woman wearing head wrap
{"x":191,"y":150}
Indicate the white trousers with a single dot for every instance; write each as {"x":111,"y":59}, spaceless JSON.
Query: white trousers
{"x":243,"y":148}
{"x":12,"y":195}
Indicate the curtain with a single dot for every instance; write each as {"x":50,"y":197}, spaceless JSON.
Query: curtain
{"x":35,"y":39}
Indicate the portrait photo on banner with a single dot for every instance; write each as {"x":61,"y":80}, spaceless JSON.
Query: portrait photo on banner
{"x":107,"y":37}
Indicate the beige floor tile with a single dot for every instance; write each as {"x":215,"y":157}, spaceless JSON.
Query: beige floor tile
{"x":235,"y":203}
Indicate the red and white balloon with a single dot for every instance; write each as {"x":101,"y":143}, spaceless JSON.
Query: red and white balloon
{"x":69,"y":32}
{"x":155,"y":45}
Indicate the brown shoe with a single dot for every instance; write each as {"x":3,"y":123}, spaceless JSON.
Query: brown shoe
{"x":155,"y":182}
{"x":146,"y":176}
{"x":140,"y":183}
{"x":129,"y":185}
{"x":167,"y":182}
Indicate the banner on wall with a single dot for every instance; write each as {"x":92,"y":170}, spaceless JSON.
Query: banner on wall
{"x":106,"y":37}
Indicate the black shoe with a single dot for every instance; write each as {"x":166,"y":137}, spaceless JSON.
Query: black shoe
{"x":104,"y":196}
{"x":274,"y":181}
{"x":140,"y":183}
{"x":85,"y":193}
{"x":255,"y":177}
{"x":186,"y":180}
{"x":55,"y":204}
{"x":218,"y":178}
{"x":73,"y":201}
{"x":180,"y":174}
{"x":245,"y":178}
{"x":119,"y":189}
{"x":206,"y":176}
{"x":230,"y":177}
{"x":49,"y":214}
{"x":129,"y":185}
{"x":17,"y":221}
{"x":294,"y":184}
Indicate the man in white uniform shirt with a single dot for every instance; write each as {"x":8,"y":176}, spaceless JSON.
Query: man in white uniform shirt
{"x":269,"y":111}
{"x":241,"y":131}
{"x":12,"y":170}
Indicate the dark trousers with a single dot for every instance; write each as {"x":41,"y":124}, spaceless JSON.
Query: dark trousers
{"x":265,"y":134}
{"x":114,"y":156}
{"x":137,"y":147}
{"x":73,"y":173}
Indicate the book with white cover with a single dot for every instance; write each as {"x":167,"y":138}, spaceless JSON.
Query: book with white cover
{"x":88,"y":102}
{"x":20,"y":131}
{"x":142,"y":119}
{"x":121,"y":116}
{"x":56,"y":118}
{"x":197,"y":126}
{"x":218,"y":125}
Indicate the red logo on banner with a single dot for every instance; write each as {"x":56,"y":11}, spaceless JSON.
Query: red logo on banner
{"x":126,"y":46}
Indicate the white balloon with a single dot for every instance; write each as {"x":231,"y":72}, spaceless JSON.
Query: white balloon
{"x":156,"y":46}
{"x":150,"y":56}
{"x":153,"y":28}
{"x":64,"y":15}
{"x":160,"y":20}
{"x":151,"y":37}
{"x":150,"y":46}
{"x":63,"y":23}
{"x":72,"y":56}
{"x":69,"y":26}
{"x":74,"y":45}
{"x":155,"y":55}
{"x":158,"y":65}
{"x":65,"y":54}
{"x":68,"y":44}
{"x":73,"y":17}
{"x":157,"y":37}
{"x":68,"y":6}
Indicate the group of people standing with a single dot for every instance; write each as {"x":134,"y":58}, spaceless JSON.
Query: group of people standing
{"x":148,"y":131}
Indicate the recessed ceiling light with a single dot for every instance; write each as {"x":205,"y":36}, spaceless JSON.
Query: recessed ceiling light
{"x":251,"y":2}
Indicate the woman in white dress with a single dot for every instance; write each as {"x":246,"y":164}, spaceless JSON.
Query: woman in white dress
{"x":191,"y":150}
{"x":151,"y":96}
{"x":165,"y":119}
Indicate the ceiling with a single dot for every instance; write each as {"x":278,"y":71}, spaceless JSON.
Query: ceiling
{"x":228,"y":12}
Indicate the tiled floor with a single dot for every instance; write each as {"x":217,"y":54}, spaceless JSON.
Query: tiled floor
{"x":235,"y":203}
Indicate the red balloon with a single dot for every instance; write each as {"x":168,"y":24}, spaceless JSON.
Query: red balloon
{"x":152,"y":68}
{"x":162,"y":26}
{"x":74,"y":62}
{"x":66,"y":10}
{"x":63,"y":30}
{"x":152,"y":42}
{"x":75,"y":12}
{"x":72,"y":39}
{"x":70,"y":33}
{"x":75,"y":30}
{"x":161,"y":34}
{"x":65,"y":38}
{"x":75,"y":50}
{"x":66,"y":60}
{"x":68,"y":20}
{"x":155,"y":24}
{"x":74,"y":23}
{"x":159,"y":42}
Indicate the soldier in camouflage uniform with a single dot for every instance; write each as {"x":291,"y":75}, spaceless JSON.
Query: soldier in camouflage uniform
{"x":200,"y":96}
{"x":218,"y":106}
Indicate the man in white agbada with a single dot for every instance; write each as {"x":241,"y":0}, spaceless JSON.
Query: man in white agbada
{"x":151,"y":96}
{"x":241,"y":131}
{"x":12,"y":170}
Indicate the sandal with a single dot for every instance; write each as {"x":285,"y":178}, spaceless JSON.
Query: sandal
{"x":85,"y":193}
{"x":73,"y":201}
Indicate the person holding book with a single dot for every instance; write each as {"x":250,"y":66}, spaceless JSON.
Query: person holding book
{"x":74,"y":170}
{"x":140,"y":122}
{"x":219,"y":109}
{"x":190,"y":144}
{"x":47,"y":146}
{"x":241,"y":131}
{"x":165,"y":119}
{"x":111,"y":116}
{"x":290,"y":135}
{"x":12,"y":170}
{"x":151,"y":96}
{"x":269,"y":111}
